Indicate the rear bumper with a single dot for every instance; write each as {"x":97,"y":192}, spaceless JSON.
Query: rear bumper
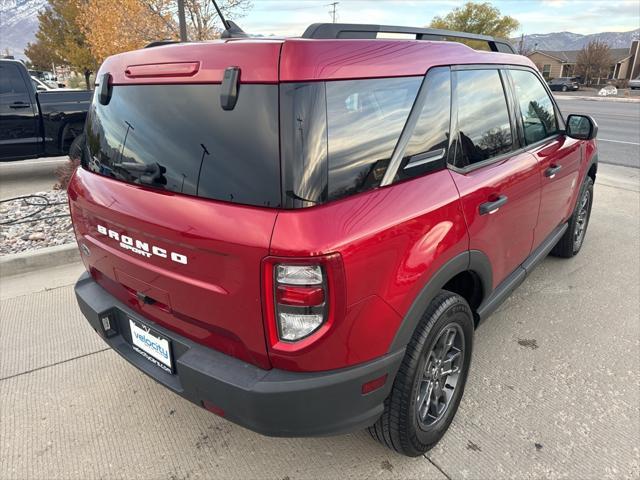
{"x":271,"y":402}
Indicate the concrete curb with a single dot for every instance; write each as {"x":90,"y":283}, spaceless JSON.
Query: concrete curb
{"x":598,"y":99}
{"x":38,"y":259}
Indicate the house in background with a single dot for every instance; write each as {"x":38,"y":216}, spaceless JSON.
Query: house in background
{"x":625,"y":63}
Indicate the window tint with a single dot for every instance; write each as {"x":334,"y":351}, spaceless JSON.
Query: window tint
{"x":484,"y":130}
{"x":11,"y":82}
{"x":428,"y":145}
{"x":364,"y":121}
{"x":178,"y":138}
{"x":536,"y":108}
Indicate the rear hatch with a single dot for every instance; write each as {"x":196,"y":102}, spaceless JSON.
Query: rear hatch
{"x":175,"y":202}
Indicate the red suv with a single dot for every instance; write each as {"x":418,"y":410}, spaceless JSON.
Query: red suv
{"x":301,"y":235}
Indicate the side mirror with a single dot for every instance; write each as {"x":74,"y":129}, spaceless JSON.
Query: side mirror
{"x":40,"y":88}
{"x":582,"y":127}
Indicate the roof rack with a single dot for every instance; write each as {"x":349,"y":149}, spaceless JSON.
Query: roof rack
{"x":352,"y":30}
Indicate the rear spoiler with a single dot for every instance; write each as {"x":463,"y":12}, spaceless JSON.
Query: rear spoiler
{"x":356,"y":31}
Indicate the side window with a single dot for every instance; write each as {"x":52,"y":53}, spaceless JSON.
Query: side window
{"x":536,"y":108}
{"x":484,"y":129}
{"x":428,"y":145}
{"x":364,"y":121}
{"x":11,"y":83}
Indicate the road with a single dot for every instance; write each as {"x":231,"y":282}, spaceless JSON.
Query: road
{"x":553,"y":391}
{"x":619,"y":128}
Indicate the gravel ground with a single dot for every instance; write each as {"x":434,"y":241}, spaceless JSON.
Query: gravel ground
{"x":42,"y":220}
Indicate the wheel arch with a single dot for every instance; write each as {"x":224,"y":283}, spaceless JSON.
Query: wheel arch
{"x":473,"y":263}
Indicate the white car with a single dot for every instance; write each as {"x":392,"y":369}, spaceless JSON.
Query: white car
{"x":40,"y":86}
{"x":635,"y":83}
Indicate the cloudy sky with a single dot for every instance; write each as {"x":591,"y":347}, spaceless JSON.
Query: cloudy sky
{"x":291,"y":17}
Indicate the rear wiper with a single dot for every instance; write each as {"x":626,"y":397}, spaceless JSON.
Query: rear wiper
{"x":151,"y":173}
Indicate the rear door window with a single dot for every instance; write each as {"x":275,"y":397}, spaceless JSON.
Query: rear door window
{"x":179,"y":139}
{"x":536,"y":108}
{"x":364,"y":121}
{"x":484,"y":127}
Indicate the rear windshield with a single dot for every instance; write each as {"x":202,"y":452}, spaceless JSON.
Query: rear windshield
{"x":178,"y":138}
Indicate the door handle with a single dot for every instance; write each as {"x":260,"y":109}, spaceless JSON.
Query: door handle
{"x":492,"y":207}
{"x":20,"y":105}
{"x":552,"y":170}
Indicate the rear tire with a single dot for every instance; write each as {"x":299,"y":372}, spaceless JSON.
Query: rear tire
{"x":430,"y":382}
{"x":564,"y":88}
{"x":573,"y":239}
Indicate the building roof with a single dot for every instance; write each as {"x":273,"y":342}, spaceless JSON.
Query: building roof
{"x":571,"y":56}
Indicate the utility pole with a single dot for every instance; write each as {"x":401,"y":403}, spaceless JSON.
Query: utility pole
{"x":521,"y":52}
{"x":333,"y":10}
{"x":182,"y":21}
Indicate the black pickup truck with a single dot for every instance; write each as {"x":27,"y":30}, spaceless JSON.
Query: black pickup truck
{"x":37,"y":124}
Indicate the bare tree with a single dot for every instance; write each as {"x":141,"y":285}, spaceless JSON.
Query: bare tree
{"x":201,"y":16}
{"x":593,"y":62}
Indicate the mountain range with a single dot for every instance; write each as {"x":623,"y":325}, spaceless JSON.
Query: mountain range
{"x":19,"y":22}
{"x":575,"y":41}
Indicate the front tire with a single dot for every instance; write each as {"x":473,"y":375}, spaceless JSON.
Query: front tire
{"x":573,"y":239}
{"x":564,"y":88}
{"x":429,"y":385}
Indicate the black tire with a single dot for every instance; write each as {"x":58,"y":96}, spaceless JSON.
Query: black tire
{"x":564,"y":88}
{"x":401,"y":427}
{"x":75,"y":150}
{"x":572,"y":240}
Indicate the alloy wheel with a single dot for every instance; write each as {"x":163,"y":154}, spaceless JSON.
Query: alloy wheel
{"x":581,"y":221}
{"x":442,"y":369}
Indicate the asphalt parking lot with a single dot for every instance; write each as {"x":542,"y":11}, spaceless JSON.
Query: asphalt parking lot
{"x":554,"y":390}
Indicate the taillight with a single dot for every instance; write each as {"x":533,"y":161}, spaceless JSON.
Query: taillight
{"x":300,"y":300}
{"x":301,"y":297}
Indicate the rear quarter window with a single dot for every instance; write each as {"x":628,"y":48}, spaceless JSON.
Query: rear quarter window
{"x":364,"y":121}
{"x":427,"y":148}
{"x":337,"y":137}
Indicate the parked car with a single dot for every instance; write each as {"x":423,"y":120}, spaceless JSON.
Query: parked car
{"x":41,"y":86}
{"x":47,"y":77}
{"x":564,"y":84}
{"x":302,"y":235}
{"x":635,"y":83}
{"x":37,"y":123}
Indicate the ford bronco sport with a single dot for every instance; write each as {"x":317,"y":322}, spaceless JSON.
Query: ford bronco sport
{"x":301,"y":235}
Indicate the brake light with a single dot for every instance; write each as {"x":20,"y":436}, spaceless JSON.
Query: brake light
{"x":302,"y":297}
{"x":178,"y":69}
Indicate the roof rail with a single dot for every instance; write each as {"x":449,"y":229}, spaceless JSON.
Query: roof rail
{"x":352,"y":30}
